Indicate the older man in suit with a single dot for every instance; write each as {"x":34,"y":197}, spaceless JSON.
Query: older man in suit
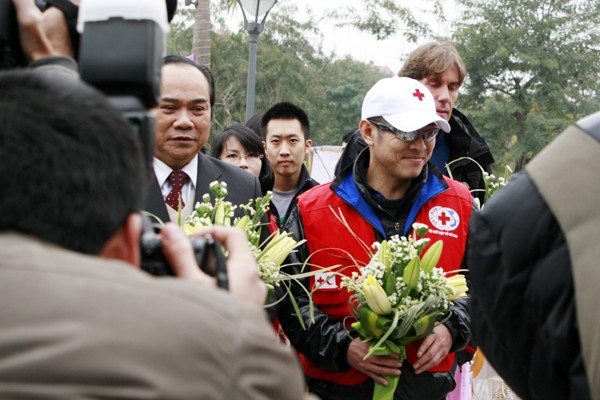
{"x":182,"y":172}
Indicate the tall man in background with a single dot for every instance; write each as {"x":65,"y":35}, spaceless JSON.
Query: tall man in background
{"x":439,"y":67}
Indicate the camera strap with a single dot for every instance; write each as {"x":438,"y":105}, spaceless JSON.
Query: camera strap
{"x":70,"y":12}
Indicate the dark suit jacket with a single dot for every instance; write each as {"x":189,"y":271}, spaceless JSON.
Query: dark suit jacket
{"x":241,"y":186}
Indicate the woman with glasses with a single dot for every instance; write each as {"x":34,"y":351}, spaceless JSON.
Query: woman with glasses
{"x":238,"y":145}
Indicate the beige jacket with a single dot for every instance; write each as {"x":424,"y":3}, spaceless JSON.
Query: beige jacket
{"x":80,"y":327}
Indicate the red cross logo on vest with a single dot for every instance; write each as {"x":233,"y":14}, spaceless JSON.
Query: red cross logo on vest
{"x":325,"y":280}
{"x":177,"y":179}
{"x":418,"y":94}
{"x":444,"y":219}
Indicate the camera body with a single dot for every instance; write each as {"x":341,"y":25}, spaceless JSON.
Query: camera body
{"x":208,"y":252}
{"x":11,"y":55}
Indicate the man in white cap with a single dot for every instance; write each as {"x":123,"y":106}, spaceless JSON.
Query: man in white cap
{"x":389,"y":187}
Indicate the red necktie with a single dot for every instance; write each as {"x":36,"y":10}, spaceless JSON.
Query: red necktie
{"x":177,"y":179}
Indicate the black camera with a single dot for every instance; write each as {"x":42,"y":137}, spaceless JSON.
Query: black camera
{"x":11,"y":54}
{"x":208,"y":252}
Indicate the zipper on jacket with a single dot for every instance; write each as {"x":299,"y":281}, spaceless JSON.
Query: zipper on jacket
{"x":397,"y":228}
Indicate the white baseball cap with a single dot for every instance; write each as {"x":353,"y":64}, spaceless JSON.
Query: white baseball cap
{"x":405,"y":103}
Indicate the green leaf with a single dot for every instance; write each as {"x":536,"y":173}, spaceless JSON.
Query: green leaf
{"x":382,"y":392}
{"x":412,"y":272}
{"x":373,"y":324}
{"x":390,"y":283}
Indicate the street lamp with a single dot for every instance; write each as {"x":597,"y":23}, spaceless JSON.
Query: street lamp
{"x":255,"y":13}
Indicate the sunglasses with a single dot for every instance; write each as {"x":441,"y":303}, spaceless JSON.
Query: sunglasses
{"x":428,"y":133}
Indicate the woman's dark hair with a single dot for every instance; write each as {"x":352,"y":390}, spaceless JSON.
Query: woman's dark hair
{"x":252,"y":144}
{"x":254,"y":123}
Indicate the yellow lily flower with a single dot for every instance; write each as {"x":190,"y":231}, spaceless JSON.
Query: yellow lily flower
{"x":384,"y":255}
{"x":375,"y":296}
{"x":458,"y":284}
{"x":278,"y":248}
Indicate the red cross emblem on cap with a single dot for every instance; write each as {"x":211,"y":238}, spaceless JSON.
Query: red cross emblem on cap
{"x":418,"y":94}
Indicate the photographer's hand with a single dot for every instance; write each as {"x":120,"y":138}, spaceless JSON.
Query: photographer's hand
{"x":42,"y":33}
{"x":180,"y":255}
{"x":244,"y":282}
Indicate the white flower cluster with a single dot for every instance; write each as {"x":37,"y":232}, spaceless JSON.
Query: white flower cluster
{"x":494,"y":183}
{"x":267,"y":267}
{"x":399,"y":252}
{"x":206,"y":213}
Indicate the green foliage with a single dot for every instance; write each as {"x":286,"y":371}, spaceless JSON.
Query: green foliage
{"x":344,"y":84}
{"x":533,"y":70}
{"x":533,"y":66}
{"x":180,"y":36}
{"x":291,"y":66}
{"x":384,"y":18}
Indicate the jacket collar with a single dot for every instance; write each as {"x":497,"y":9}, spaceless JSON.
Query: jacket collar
{"x":347,"y":188}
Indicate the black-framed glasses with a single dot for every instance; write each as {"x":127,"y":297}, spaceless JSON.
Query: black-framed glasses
{"x":428,"y":133}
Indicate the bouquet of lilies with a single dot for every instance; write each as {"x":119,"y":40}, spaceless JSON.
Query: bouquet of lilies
{"x":400,"y":296}
{"x":270,"y":255}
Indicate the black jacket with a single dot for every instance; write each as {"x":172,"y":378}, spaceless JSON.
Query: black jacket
{"x":243,"y":186}
{"x":465,"y":141}
{"x":522,"y":300}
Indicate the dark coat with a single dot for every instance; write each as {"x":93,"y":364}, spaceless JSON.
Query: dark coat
{"x":522,"y":305}
{"x":534,"y":271}
{"x":465,"y":141}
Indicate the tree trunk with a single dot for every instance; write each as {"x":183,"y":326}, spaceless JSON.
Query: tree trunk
{"x":201,"y":42}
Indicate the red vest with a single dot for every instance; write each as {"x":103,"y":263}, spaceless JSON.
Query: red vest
{"x":447,"y":216}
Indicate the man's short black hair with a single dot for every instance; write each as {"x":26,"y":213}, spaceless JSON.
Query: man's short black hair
{"x":176,"y":59}
{"x":71,"y":168}
{"x":285,"y":110}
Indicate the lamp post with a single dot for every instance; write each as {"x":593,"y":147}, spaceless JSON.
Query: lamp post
{"x":255,"y":13}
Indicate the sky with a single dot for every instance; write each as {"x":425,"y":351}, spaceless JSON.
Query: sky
{"x":360,"y":46}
